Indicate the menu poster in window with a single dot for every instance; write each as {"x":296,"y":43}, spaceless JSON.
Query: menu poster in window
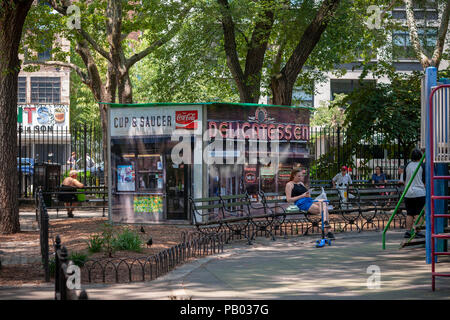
{"x":126,"y":178}
{"x":148,"y":204}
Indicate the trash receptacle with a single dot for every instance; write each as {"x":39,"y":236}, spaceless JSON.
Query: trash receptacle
{"x":47,"y":176}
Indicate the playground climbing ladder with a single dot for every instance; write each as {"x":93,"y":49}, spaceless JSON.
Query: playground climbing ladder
{"x":439,"y":129}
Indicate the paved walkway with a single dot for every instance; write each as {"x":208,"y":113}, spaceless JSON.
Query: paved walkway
{"x":285,"y":269}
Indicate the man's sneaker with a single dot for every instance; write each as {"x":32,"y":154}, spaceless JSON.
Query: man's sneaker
{"x":407,"y":235}
{"x":330,"y":235}
{"x":420,"y":235}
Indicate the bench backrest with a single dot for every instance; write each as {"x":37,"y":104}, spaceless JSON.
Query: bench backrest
{"x":280,"y":197}
{"x":333,"y":195}
{"x":378,"y":194}
{"x":220,"y":207}
{"x":236,"y":205}
{"x":206,"y":207}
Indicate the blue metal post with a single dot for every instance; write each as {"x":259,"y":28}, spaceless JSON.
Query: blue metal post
{"x":430,"y":81}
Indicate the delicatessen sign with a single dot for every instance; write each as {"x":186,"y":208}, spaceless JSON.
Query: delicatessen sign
{"x":260,"y":124}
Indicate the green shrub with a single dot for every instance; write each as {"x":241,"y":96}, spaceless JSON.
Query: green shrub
{"x":52,"y":266}
{"x":107,"y":239}
{"x":127,"y":240}
{"x":95,"y":243}
{"x":78,"y":258}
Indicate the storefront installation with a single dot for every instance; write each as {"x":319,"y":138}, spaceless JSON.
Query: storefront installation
{"x":162,"y":154}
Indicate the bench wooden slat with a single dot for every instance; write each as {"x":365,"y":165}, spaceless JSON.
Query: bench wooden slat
{"x":235,"y":204}
{"x":231,"y":197}
{"x":206,"y":199}
{"x":209,"y":206}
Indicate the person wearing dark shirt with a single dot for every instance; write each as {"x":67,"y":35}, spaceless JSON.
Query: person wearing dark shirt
{"x":297,"y":193}
{"x":378,"y":176}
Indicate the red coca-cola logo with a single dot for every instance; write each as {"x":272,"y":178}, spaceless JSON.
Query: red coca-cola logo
{"x":186,"y":119}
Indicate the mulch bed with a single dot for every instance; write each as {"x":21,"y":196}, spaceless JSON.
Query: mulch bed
{"x":74,"y":234}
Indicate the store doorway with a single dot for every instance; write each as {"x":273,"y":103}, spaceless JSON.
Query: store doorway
{"x":177,"y":190}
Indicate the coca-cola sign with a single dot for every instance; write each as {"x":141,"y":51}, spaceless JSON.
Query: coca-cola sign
{"x":186,"y":119}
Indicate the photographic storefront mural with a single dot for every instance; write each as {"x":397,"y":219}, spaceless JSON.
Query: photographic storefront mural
{"x":163,"y":153}
{"x":43,"y":118}
{"x":146,"y":185}
{"x":287,"y":126}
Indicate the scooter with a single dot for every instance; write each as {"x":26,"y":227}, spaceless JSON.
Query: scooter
{"x":322,"y":242}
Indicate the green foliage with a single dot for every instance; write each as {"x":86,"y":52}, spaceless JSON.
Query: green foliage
{"x":327,"y":165}
{"x":330,"y":113}
{"x":193,"y":66}
{"x":108,"y":238}
{"x":391,"y":109}
{"x":190,"y":68}
{"x":52,"y":266}
{"x":78,"y":258}
{"x":375,"y":114}
{"x":83,"y":107}
{"x":95,"y":243}
{"x":111,"y":240}
{"x":127,"y":240}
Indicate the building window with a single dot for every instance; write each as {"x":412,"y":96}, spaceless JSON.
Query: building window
{"x":22,"y":90}
{"x":346,"y":86}
{"x":402,"y":47}
{"x":302,"y":97}
{"x":45,"y":55}
{"x":45,"y":90}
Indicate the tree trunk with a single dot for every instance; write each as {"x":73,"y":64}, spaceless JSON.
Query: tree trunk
{"x":248,"y":81}
{"x":282,"y":83}
{"x":281,"y":91}
{"x":125,"y":89}
{"x":12,"y":18}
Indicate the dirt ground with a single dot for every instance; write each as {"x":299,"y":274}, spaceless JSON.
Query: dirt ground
{"x":74,"y":234}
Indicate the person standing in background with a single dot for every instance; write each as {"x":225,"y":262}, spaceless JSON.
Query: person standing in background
{"x":415,"y":196}
{"x":72,"y":160}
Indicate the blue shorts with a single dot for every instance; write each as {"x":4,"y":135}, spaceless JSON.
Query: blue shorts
{"x":304,"y":203}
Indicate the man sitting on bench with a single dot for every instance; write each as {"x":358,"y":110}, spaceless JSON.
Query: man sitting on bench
{"x":297,"y":193}
{"x":70,"y":184}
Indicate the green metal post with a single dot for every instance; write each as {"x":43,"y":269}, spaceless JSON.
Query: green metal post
{"x":400,"y":201}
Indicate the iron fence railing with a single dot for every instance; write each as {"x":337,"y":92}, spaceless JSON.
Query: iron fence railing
{"x":333,"y":147}
{"x":329,"y":148}
{"x":56,"y":147}
{"x":149,"y":268}
{"x":43,"y":223}
{"x":63,"y":276}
